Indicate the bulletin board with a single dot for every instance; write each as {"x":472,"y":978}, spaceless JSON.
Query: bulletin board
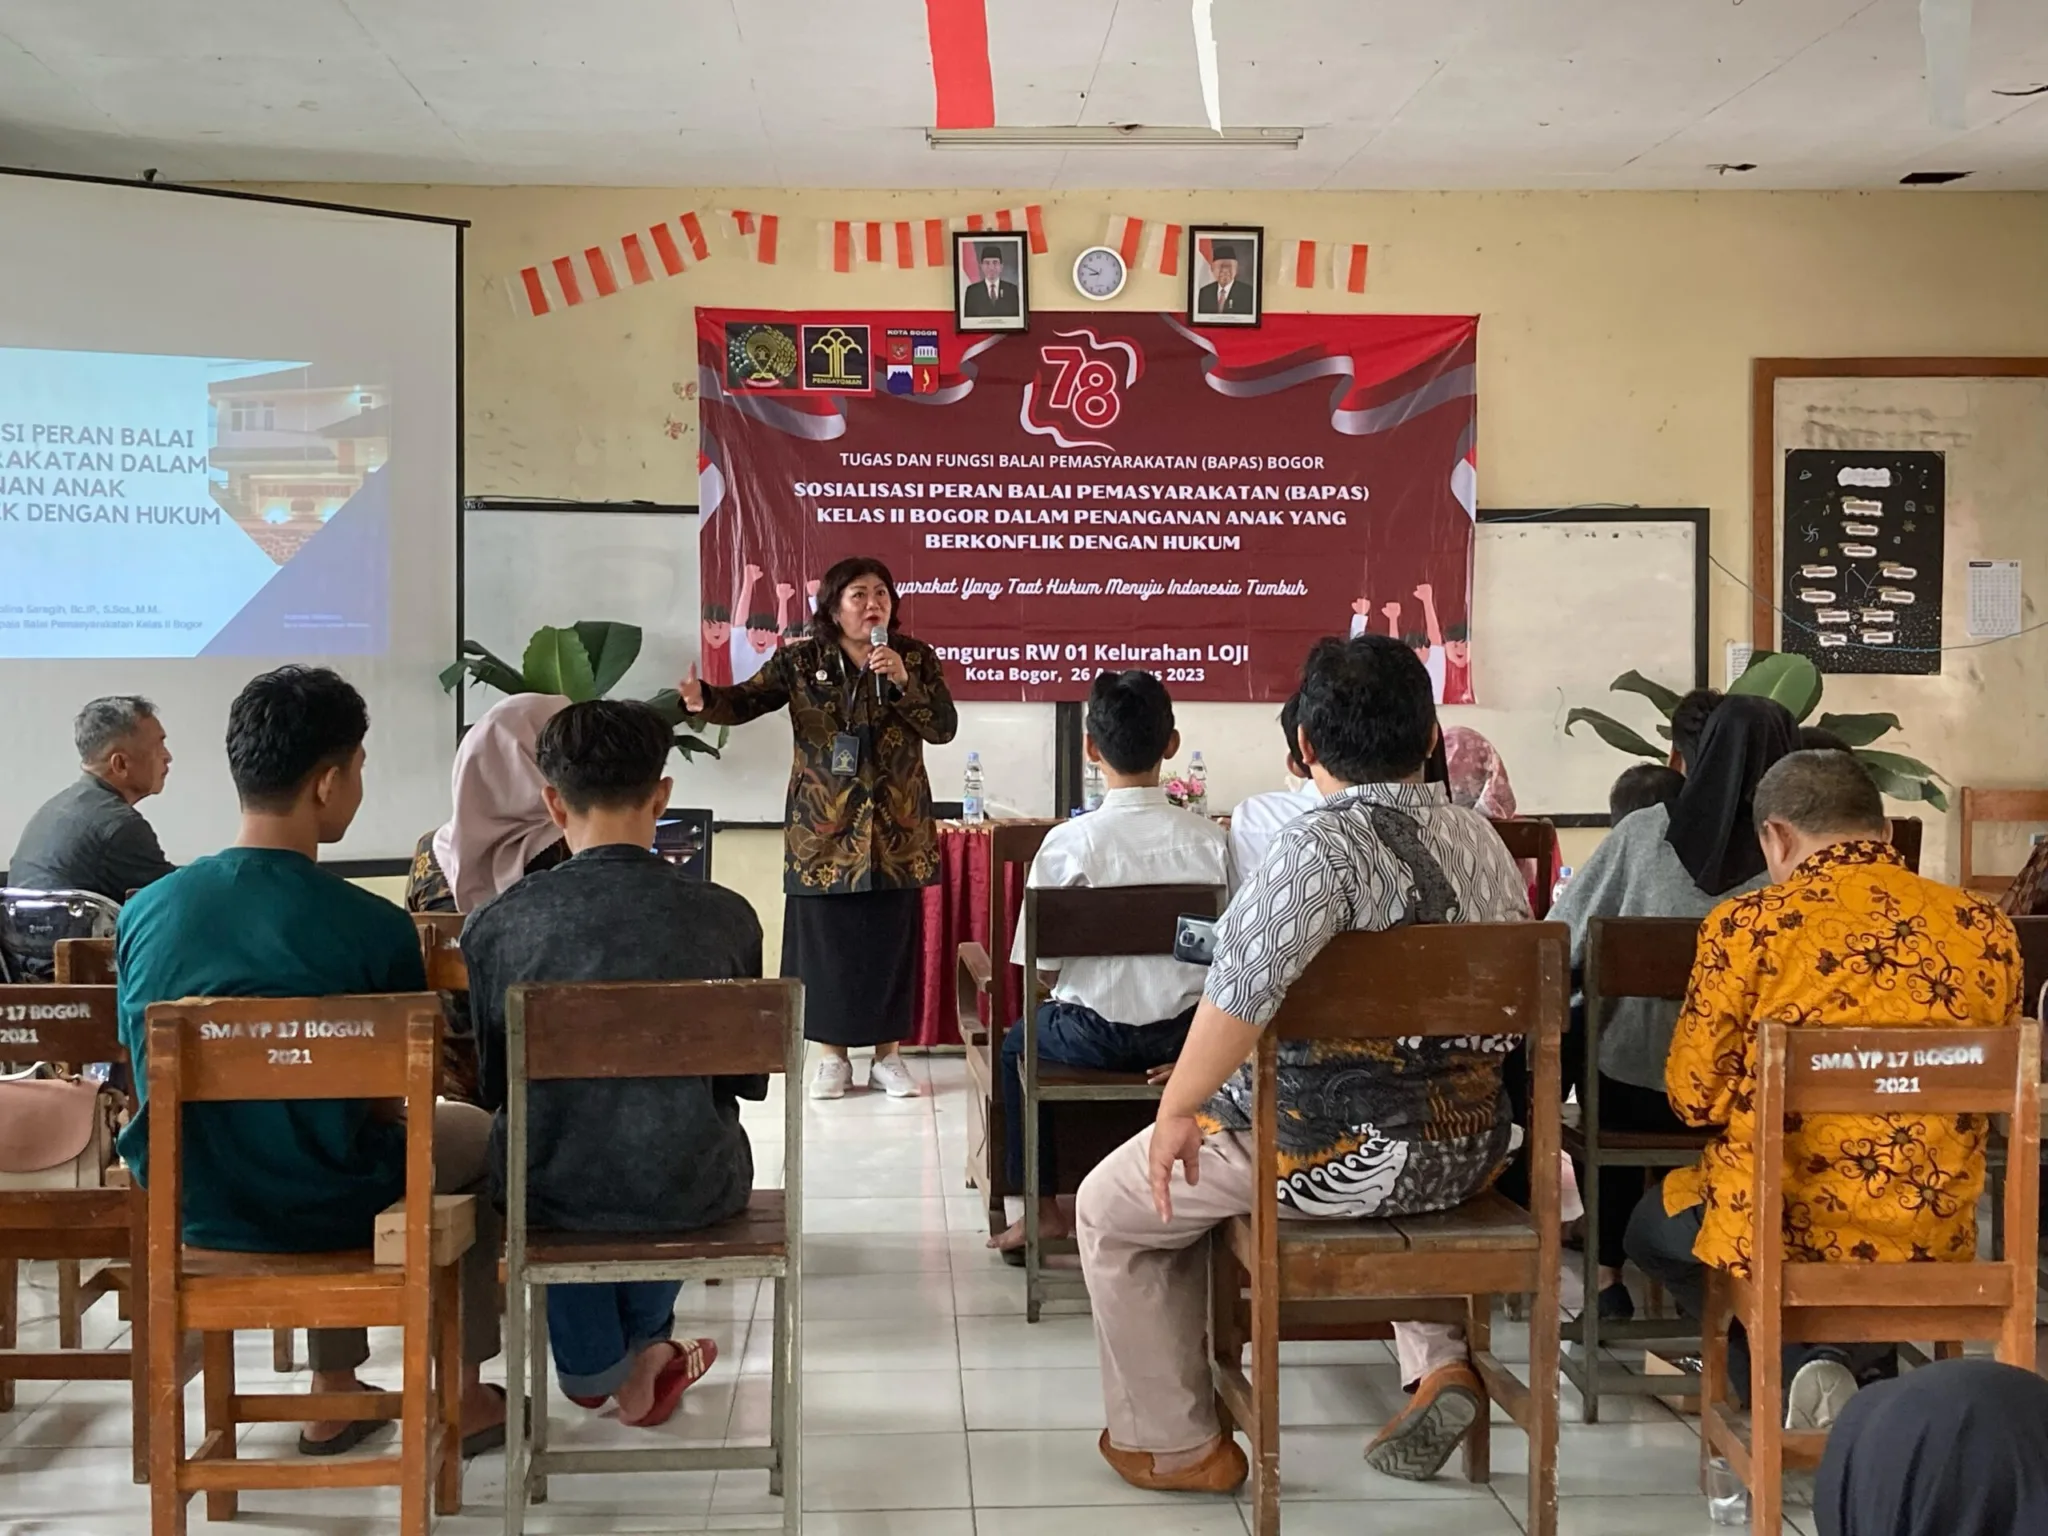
{"x":1974,"y":717}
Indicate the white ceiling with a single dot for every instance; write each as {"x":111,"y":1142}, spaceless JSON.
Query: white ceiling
{"x":827,"y":93}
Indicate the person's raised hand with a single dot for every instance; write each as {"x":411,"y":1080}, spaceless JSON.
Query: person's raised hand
{"x":888,"y":663}
{"x":784,"y":591}
{"x":692,"y":691}
{"x":755,"y":573}
{"x":1425,"y":594}
{"x":1362,"y":606}
{"x":1175,"y":1139}
{"x":1393,"y":612}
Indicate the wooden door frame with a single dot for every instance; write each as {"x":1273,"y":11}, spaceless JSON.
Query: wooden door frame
{"x":1765,"y":372}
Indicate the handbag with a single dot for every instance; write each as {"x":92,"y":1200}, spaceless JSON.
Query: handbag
{"x":56,"y":1133}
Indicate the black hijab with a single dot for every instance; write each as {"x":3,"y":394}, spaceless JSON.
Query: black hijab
{"x":1711,"y":827}
{"x":1957,"y":1448}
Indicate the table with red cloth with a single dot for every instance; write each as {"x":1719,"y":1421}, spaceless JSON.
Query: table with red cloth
{"x":956,"y":911}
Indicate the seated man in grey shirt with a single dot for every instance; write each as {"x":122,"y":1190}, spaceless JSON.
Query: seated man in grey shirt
{"x":664,"y":1154}
{"x":90,"y":837}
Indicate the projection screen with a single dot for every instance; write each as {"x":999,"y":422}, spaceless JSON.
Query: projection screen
{"x":229,"y":439}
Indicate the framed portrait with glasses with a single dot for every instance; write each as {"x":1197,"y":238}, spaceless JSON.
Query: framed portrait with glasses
{"x":1226,"y":275}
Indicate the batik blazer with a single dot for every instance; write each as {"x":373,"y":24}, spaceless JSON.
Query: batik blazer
{"x":870,"y":830}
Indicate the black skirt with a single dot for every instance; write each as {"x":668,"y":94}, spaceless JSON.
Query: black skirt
{"x":856,"y":955}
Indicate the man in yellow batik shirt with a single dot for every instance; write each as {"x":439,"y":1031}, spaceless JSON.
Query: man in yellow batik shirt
{"x":1846,"y":936}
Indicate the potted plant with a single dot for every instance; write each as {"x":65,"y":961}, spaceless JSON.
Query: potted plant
{"x":581,"y":661}
{"x":1795,"y":682}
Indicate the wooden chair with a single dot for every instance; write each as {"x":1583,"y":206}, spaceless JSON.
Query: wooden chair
{"x":641,"y":1030}
{"x":1083,"y":923}
{"x":1625,"y":957}
{"x":1535,"y":840}
{"x":90,"y":963}
{"x":1993,"y":805}
{"x":980,"y":992}
{"x":75,"y":1025}
{"x":227,"y":1051}
{"x":1907,"y":833}
{"x":441,"y":950}
{"x":1439,"y":980}
{"x":1810,"y":1070}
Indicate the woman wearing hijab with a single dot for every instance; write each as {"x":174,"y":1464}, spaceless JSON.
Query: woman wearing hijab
{"x":1676,"y":860}
{"x":1957,"y":1448}
{"x":500,"y":831}
{"x":499,"y":834}
{"x":1477,"y":776}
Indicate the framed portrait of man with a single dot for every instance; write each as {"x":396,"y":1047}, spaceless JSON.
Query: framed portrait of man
{"x":990,"y":281}
{"x":1226,"y":275}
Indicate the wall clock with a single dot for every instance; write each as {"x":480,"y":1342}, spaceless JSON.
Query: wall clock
{"x":1099,"y":273}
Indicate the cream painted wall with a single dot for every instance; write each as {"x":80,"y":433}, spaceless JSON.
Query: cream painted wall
{"x":1616,"y":336}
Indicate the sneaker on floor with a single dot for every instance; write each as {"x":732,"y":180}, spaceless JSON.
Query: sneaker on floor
{"x":1447,"y":1402}
{"x":1820,"y":1390}
{"x":833,"y":1077}
{"x":889,"y":1074}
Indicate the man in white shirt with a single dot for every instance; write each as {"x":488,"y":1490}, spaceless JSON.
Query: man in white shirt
{"x":1114,"y":1014}
{"x":1256,"y":821}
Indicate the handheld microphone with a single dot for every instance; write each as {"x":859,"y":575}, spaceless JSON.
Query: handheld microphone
{"x":878,"y":636}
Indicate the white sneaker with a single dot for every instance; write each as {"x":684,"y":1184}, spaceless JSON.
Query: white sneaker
{"x":1820,"y":1390}
{"x":890,"y":1075}
{"x":833,"y":1078}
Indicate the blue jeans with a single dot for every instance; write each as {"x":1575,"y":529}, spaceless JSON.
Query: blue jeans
{"x":595,"y":1331}
{"x":1072,"y":1036}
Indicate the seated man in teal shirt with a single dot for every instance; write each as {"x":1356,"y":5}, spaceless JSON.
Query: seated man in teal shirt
{"x":262,"y":919}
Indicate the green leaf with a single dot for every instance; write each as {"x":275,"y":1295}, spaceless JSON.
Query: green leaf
{"x":1792,"y":681}
{"x":1904,"y":778}
{"x":1634,"y":682}
{"x":669,"y":705}
{"x":1614,"y":733}
{"x":695,"y":746}
{"x":557,"y":663}
{"x":612,"y":649}
{"x":1859,"y":730}
{"x":485,"y":667}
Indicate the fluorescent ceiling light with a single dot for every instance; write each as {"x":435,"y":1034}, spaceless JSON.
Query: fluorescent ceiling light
{"x":1106,"y":137}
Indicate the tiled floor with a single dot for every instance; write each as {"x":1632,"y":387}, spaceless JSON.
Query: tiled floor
{"x":930,"y":1407}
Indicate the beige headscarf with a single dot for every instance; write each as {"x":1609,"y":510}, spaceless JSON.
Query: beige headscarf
{"x":500,"y":822}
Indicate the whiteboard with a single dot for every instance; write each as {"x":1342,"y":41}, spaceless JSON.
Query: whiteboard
{"x":1562,"y":604}
{"x":556,"y":564}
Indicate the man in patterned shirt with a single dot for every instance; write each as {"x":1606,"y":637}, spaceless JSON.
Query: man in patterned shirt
{"x":1847,"y":936}
{"x":1373,"y":1129}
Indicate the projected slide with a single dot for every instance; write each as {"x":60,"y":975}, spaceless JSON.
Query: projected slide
{"x":191,"y":506}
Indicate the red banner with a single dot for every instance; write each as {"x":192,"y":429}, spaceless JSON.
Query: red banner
{"x":1104,"y":491}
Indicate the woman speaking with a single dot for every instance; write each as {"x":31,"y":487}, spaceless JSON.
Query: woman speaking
{"x":859,"y":844}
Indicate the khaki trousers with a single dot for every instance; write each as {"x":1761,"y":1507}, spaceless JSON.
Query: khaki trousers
{"x":1148,"y":1284}
{"x":462,"y":1166}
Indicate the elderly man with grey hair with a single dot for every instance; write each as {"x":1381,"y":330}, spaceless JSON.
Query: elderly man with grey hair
{"x":1846,"y":936}
{"x":90,"y":837}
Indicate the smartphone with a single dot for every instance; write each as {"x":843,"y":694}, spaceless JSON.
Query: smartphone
{"x":1194,"y":940}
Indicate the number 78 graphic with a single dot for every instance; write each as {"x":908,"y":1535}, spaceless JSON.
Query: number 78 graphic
{"x":1085,"y":386}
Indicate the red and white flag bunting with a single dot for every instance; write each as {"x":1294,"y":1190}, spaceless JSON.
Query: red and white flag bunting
{"x":1030,"y":218}
{"x":759,"y":233}
{"x":902,"y":243}
{"x":1320,"y":263}
{"x":599,"y":271}
{"x":1146,"y":245}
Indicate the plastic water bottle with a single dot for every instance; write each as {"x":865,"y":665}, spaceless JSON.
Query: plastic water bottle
{"x":1564,"y":878}
{"x":1727,"y":1499}
{"x":1092,"y":787}
{"x":1198,"y":786}
{"x":971,"y":808}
